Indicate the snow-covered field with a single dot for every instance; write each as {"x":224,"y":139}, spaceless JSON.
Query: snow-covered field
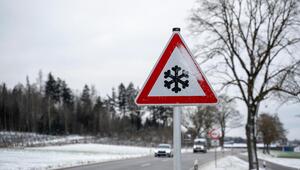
{"x":289,"y":162}
{"x":244,"y":145}
{"x":228,"y":162}
{"x":68,"y":155}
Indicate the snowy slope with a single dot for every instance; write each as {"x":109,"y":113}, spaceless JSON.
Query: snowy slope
{"x":228,"y":162}
{"x":289,"y":162}
{"x":68,"y":155}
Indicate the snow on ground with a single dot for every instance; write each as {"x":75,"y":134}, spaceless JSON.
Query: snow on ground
{"x":289,"y":162}
{"x":218,"y":149}
{"x":186,"y":150}
{"x":68,"y":155}
{"x":244,"y":145}
{"x":190,"y":150}
{"x":228,"y":162}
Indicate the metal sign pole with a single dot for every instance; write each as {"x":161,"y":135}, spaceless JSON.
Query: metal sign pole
{"x":177,"y":137}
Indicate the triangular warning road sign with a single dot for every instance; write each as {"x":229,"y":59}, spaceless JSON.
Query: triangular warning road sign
{"x":176,"y":79}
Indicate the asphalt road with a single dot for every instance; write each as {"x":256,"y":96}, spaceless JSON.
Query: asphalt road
{"x":151,"y":163}
{"x":164,"y":163}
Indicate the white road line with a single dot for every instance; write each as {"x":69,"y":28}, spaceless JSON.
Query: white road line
{"x":164,"y":160}
{"x":144,"y":165}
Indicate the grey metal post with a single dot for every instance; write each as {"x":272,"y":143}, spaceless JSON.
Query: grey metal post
{"x":177,"y":137}
{"x":177,"y":131}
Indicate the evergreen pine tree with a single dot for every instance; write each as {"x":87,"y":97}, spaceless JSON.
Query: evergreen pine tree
{"x":122,"y":99}
{"x":134,"y":110}
{"x":68,"y":104}
{"x":52,"y":95}
{"x":86,"y":103}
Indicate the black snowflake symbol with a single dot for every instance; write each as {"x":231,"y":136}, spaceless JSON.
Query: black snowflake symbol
{"x":176,"y":79}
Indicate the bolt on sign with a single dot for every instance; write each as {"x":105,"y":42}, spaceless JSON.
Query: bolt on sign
{"x":176,"y":79}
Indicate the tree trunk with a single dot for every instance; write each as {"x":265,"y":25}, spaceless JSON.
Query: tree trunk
{"x":4,"y":117}
{"x":251,"y":138}
{"x":268,"y":149}
{"x":49,"y":116}
{"x":66,"y":121}
{"x":222,"y":137}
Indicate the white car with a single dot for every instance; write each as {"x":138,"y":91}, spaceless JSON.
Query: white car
{"x":200,"y":145}
{"x":163,"y":150}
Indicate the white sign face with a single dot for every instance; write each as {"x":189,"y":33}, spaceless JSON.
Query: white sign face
{"x":176,"y":79}
{"x":184,"y":65}
{"x":215,"y":142}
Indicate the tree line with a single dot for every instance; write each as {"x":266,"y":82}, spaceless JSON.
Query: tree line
{"x":52,"y":107}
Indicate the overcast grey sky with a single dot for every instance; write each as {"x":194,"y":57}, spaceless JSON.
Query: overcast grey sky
{"x":96,"y":42}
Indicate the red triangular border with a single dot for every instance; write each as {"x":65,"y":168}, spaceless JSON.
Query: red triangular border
{"x":144,"y":99}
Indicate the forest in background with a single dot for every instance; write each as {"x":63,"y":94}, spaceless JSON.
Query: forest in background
{"x":51,"y":107}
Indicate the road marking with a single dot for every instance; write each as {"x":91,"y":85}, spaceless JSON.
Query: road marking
{"x":164,"y":160}
{"x":144,"y":165}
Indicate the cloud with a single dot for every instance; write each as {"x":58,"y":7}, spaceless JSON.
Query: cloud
{"x":95,"y":42}
{"x":101,"y":39}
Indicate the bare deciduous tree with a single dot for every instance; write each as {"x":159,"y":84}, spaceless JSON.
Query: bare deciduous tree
{"x":227,"y":116}
{"x":203,"y":120}
{"x":251,"y":42}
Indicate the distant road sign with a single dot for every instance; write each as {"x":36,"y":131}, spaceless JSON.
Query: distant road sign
{"x":215,"y":142}
{"x":214,"y":134}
